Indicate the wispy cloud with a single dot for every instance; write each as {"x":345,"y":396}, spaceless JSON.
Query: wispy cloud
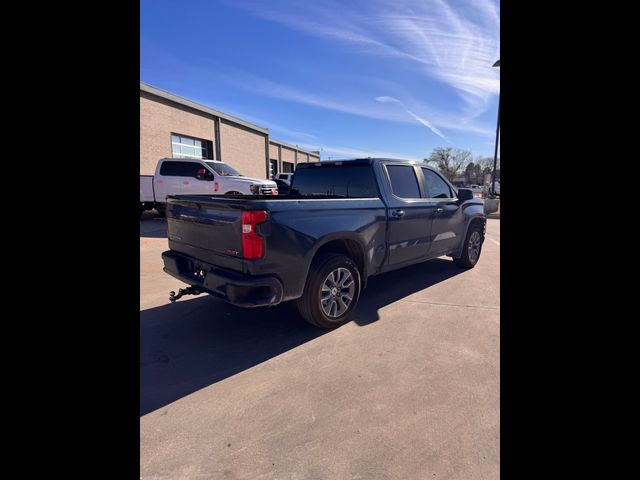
{"x":273,"y":127}
{"x":454,"y":46}
{"x":366,"y":107}
{"x":418,"y":118}
{"x":349,"y":152}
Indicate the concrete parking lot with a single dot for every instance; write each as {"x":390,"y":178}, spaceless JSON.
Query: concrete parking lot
{"x":410,"y":389}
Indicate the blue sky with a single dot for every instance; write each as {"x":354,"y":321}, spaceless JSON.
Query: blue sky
{"x":351,"y":77}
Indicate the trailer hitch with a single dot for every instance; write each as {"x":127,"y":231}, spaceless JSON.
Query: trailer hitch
{"x":183,"y":291}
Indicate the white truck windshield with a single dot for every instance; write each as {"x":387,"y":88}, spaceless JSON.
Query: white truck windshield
{"x":224,"y":170}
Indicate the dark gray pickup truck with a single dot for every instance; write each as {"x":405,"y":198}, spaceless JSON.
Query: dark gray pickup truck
{"x":342,"y":222}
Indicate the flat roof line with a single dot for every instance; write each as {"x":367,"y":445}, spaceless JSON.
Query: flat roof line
{"x":145,"y":87}
{"x":293,"y":147}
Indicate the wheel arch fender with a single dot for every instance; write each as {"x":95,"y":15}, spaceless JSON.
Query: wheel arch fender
{"x":347,"y":243}
{"x":471,"y":219}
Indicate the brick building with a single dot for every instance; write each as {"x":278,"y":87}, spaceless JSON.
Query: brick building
{"x":173,"y":126}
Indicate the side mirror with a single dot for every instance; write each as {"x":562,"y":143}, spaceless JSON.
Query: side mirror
{"x":204,"y":174}
{"x":465,"y":194}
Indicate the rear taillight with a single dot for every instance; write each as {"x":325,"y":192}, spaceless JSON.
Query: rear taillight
{"x":252,"y":242}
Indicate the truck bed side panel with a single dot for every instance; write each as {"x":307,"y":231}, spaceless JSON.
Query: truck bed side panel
{"x":301,"y":228}
{"x":146,"y":188}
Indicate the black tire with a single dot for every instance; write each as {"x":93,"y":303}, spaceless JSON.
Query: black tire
{"x":162,"y":210}
{"x":310,"y":305}
{"x":469,"y":259}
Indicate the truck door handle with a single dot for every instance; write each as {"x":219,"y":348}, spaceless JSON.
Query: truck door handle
{"x":439,"y":210}
{"x":397,"y":213}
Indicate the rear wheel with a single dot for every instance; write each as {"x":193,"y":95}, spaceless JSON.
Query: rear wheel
{"x":162,"y":210}
{"x":331,"y":292}
{"x":471,"y":248}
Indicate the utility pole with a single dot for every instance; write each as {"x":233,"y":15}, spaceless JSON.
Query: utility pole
{"x":495,"y":154}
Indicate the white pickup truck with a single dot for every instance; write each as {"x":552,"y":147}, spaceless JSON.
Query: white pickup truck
{"x":179,"y":176}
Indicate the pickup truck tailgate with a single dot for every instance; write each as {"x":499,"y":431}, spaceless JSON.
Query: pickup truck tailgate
{"x":208,"y":231}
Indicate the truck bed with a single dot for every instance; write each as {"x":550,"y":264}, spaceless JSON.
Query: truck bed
{"x":208,"y":228}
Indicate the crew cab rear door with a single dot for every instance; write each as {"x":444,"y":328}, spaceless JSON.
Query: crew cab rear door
{"x":409,"y":215}
{"x":175,"y":177}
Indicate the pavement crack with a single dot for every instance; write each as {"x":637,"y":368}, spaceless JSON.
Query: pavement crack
{"x":452,"y":304}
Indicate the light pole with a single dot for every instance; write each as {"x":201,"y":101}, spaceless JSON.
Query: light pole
{"x":495,"y":154}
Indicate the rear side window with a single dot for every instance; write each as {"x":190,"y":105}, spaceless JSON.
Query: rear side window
{"x":404,"y":183}
{"x":180,"y":169}
{"x":349,"y":181}
{"x":436,"y":186}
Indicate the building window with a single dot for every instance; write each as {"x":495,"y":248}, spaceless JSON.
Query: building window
{"x":273,"y":168}
{"x":287,"y":167}
{"x":189,"y":147}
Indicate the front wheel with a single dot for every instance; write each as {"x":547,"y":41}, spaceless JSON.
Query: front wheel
{"x":331,"y":292}
{"x":471,"y":248}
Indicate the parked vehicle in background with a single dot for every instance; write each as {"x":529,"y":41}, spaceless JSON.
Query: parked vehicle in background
{"x":180,"y":176}
{"x":285,"y":177}
{"x":476,"y":188}
{"x":343,"y":222}
{"x":283,"y":187}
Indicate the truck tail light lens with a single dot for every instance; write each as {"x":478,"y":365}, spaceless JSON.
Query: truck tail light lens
{"x":252,"y":243}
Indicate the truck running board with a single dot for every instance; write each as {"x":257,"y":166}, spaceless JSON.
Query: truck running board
{"x":184,"y":291}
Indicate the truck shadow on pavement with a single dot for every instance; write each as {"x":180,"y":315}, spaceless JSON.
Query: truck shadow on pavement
{"x":152,"y":226}
{"x":195,"y":343}
{"x":388,"y":288}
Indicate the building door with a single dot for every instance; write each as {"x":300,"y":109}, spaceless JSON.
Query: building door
{"x":273,"y":168}
{"x":287,"y":167}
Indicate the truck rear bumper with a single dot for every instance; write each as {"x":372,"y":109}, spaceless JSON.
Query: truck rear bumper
{"x":236,"y":288}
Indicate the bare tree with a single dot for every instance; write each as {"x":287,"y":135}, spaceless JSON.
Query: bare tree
{"x":469,"y":172}
{"x":450,"y":162}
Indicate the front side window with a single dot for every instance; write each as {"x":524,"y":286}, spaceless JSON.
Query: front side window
{"x":436,"y":186}
{"x":189,"y":147}
{"x":404,"y":183}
